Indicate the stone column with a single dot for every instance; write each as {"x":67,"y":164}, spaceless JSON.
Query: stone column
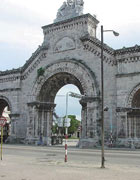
{"x":40,"y":122}
{"x":13,"y":131}
{"x":89,"y":118}
{"x":47,"y":119}
{"x":129,"y":119}
{"x":135,"y":128}
{"x":30,"y":136}
{"x":84,"y":120}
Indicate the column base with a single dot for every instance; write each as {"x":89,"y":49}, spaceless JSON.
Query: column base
{"x":46,"y":141}
{"x":133,"y":143}
{"x":14,"y":140}
{"x":88,"y":143}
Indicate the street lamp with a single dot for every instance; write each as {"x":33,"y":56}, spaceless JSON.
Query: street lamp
{"x":66,"y":119}
{"x":102,"y":94}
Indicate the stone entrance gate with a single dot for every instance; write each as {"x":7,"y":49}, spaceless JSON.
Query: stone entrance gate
{"x":70,"y":54}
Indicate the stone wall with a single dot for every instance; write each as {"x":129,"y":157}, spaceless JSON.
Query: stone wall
{"x":70,"y":53}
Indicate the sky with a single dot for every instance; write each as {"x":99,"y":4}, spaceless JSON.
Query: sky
{"x":21,"y":22}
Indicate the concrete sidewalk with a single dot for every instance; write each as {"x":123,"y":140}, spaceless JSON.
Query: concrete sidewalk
{"x":29,"y":166}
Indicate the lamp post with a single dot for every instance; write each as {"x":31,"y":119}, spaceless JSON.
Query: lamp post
{"x":66,"y":128}
{"x":102,"y":94}
{"x":66,"y":119}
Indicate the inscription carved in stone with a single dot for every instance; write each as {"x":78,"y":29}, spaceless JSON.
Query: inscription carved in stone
{"x":64,"y":44}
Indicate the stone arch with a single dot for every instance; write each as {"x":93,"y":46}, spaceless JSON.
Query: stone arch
{"x":132,"y":94}
{"x":83,"y":74}
{"x":4,"y":101}
{"x":133,"y":114}
{"x":57,"y":75}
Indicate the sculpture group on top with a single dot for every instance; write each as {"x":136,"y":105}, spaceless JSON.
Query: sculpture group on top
{"x":69,"y":9}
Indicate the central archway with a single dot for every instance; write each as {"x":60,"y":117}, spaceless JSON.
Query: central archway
{"x":56,"y":82}
{"x":45,"y":89}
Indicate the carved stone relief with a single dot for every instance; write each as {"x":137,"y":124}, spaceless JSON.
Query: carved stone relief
{"x":64,"y":44}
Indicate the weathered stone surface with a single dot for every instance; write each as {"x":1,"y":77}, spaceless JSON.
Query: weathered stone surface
{"x":70,"y":54}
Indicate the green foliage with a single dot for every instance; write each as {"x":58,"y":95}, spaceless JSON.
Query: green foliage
{"x":54,"y":129}
{"x":74,"y":124}
{"x":40,"y":72}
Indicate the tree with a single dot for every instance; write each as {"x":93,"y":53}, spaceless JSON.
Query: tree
{"x":74,"y":124}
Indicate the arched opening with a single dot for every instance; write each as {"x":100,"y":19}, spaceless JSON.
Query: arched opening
{"x":74,"y":113}
{"x":133,"y":117}
{"x":5,"y":111}
{"x":57,"y":84}
{"x":45,"y":89}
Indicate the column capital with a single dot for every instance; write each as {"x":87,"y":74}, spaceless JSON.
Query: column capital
{"x":89,"y":99}
{"x":49,"y":106}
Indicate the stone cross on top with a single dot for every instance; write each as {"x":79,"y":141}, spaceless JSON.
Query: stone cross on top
{"x":69,"y":9}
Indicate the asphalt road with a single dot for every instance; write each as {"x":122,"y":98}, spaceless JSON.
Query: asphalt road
{"x":75,"y":155}
{"x":22,"y":162}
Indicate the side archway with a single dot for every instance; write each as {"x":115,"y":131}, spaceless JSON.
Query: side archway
{"x":4,"y":102}
{"x":132,"y":96}
{"x":5,"y":109}
{"x":133,"y":116}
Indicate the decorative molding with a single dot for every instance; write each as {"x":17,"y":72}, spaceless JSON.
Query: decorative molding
{"x":127,"y":109}
{"x":131,"y":95}
{"x":8,"y":79}
{"x":42,"y":105}
{"x":91,"y":46}
{"x":134,"y":49}
{"x":64,"y":44}
{"x":87,"y":99}
{"x":123,"y":109}
{"x":69,"y":23}
{"x":129,"y":59}
{"x":7,"y":100}
{"x":127,"y":74}
{"x":21,"y":71}
{"x":72,"y":67}
{"x":10,"y":89}
{"x":34,"y":55}
{"x":97,"y":42}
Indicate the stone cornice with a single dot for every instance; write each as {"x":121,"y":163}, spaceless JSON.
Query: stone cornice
{"x":127,"y":109}
{"x":134,"y":49}
{"x":11,"y":78}
{"x":26,"y":65}
{"x":42,"y":105}
{"x":129,"y":59}
{"x":97,"y":42}
{"x":10,"y":89}
{"x":90,"y":44}
{"x":21,"y":73}
{"x":66,"y":24}
{"x":127,"y":74}
{"x":31,"y":59}
{"x":13,"y":71}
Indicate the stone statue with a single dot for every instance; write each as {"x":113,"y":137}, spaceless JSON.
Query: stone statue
{"x":70,"y":2}
{"x":69,"y":9}
{"x":61,"y":9}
